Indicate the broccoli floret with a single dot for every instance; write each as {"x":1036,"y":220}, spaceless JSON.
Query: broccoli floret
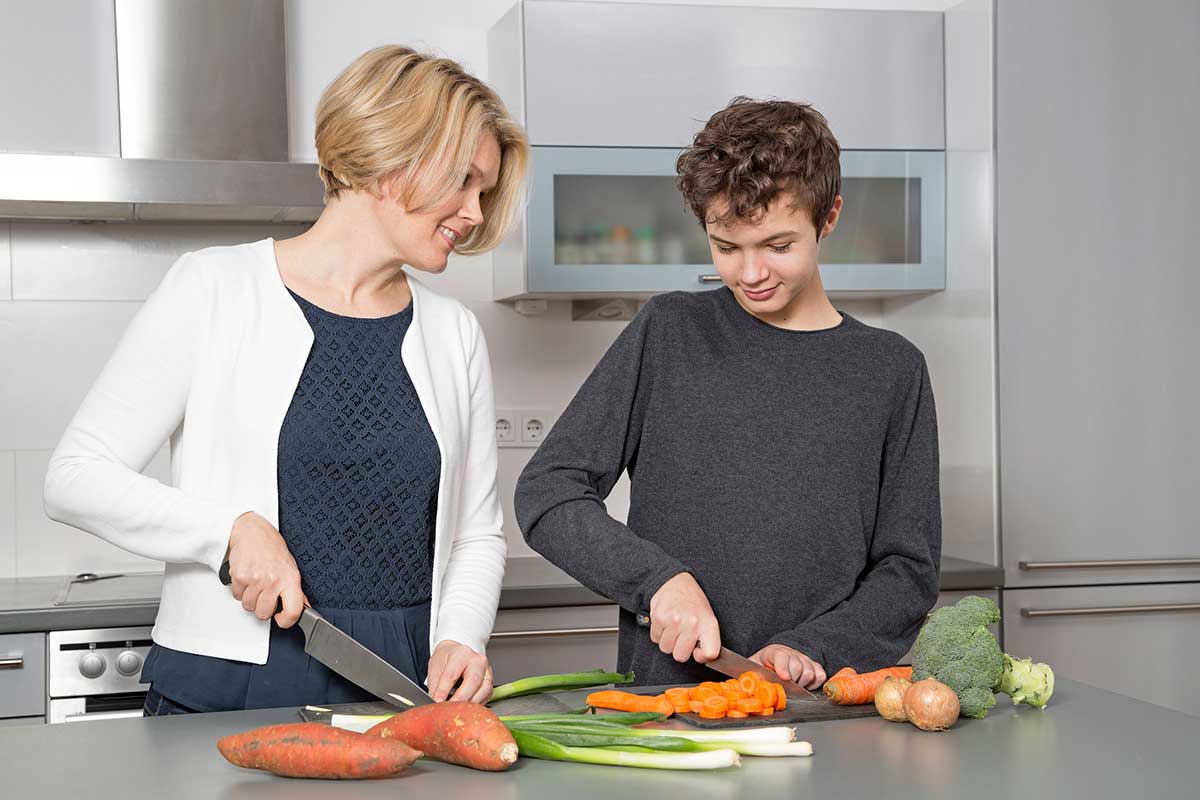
{"x":956,"y":647}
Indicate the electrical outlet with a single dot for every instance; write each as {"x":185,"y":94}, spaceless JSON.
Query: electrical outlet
{"x":534,"y":427}
{"x":506,"y":427}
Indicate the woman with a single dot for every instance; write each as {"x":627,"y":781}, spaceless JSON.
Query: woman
{"x":331,"y":419}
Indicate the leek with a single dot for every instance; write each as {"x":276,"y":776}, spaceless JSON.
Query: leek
{"x":561,"y":682}
{"x":533,"y":746}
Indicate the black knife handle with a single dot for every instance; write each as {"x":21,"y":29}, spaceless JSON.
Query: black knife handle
{"x":227,"y":579}
{"x":643,"y":618}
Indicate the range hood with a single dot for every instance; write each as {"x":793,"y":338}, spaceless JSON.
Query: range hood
{"x":203,"y":126}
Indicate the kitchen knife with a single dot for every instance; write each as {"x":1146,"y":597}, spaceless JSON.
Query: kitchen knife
{"x":333,"y":648}
{"x":730,"y":663}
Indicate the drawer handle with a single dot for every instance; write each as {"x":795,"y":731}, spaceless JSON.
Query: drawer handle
{"x":12,"y":663}
{"x":554,"y":632}
{"x":710,"y":278}
{"x":1145,"y":562}
{"x":1084,"y":612}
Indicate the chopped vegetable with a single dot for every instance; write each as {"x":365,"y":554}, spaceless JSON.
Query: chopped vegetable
{"x":728,"y":695}
{"x":849,"y":688}
{"x":559,"y":682}
{"x":313,"y":750}
{"x":535,"y":746}
{"x":956,"y":647}
{"x":931,"y":705}
{"x":457,"y":733}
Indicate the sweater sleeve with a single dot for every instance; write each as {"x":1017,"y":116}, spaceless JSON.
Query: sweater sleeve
{"x":560,"y":495}
{"x":877,"y":624}
{"x":138,"y":401}
{"x":475,"y":569}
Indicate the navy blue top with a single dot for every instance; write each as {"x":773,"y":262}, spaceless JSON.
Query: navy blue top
{"x":358,"y":474}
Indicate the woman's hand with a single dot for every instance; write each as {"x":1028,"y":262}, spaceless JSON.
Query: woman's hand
{"x":450,"y":662}
{"x":263,"y":570}
{"x":682,"y":622}
{"x":791,"y":665}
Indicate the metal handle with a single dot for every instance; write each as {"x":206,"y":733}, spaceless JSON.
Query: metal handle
{"x":1087,"y":612}
{"x":96,"y":716}
{"x":1142,"y":562}
{"x":12,"y":663}
{"x":710,"y":278}
{"x":554,"y":632}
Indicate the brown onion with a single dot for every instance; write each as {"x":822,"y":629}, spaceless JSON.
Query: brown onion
{"x":931,"y":705}
{"x":889,"y":698}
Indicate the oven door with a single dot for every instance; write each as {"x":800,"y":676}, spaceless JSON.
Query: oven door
{"x":99,"y":707}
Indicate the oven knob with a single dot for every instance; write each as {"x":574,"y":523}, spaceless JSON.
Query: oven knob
{"x":128,"y":663}
{"x":92,"y":665}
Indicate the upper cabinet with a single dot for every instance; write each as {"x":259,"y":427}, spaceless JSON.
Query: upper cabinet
{"x":611,"y":92}
{"x":59,"y":92}
{"x":625,"y":75}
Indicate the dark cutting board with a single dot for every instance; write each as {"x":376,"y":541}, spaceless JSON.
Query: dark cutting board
{"x":797,"y":712}
{"x":530,"y":704}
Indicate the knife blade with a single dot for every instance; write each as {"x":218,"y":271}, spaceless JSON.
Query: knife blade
{"x":730,"y":663}
{"x":357,"y":664}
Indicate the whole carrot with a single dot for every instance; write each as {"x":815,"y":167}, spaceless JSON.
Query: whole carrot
{"x":627,"y":701}
{"x":312,"y":750}
{"x":849,"y":688}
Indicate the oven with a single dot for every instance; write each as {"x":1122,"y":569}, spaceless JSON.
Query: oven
{"x":93,"y":674}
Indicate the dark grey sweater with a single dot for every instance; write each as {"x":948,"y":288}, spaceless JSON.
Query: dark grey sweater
{"x":794,"y":474}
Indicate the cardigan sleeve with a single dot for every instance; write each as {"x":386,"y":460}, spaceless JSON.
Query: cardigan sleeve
{"x":94,"y":479}
{"x":475,"y":569}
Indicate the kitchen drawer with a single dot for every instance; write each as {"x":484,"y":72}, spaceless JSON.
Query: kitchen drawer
{"x":1139,"y":641}
{"x":949,"y":599}
{"x":22,"y":675}
{"x":542,"y":641}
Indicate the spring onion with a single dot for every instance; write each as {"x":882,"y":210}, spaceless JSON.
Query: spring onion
{"x":619,"y":719}
{"x":662,"y":739}
{"x":533,"y":746}
{"x":561,"y":682}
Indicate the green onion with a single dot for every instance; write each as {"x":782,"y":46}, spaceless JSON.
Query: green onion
{"x":533,"y":746}
{"x":616,"y":720}
{"x":661,"y":739}
{"x":561,"y":682}
{"x":549,"y":715}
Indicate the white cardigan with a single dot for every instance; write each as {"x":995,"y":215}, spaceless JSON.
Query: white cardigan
{"x":211,"y":361}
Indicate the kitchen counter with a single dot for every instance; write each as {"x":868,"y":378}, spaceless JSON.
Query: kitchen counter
{"x":28,"y":604}
{"x":1088,"y":744}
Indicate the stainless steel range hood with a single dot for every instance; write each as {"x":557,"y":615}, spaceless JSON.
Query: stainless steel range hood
{"x":203,"y":121}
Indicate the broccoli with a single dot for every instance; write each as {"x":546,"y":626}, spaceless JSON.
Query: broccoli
{"x":956,"y":648}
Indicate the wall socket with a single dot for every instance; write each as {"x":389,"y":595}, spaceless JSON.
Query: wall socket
{"x":522,"y":427}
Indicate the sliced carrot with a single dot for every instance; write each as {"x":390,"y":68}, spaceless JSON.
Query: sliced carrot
{"x":706,"y":714}
{"x":705,"y":692}
{"x":714,"y":685}
{"x":780,"y":697}
{"x":677,"y":695}
{"x":696,"y":706}
{"x":750,"y":706}
{"x":736,"y":694}
{"x":765,"y":694}
{"x":748,"y":682}
{"x":715,"y":704}
{"x":733,"y":713}
{"x":766,"y":712}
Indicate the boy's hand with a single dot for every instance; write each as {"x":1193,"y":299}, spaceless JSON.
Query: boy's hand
{"x":791,"y":665}
{"x":682,"y":622}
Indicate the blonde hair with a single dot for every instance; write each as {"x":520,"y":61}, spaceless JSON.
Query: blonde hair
{"x":398,"y":114}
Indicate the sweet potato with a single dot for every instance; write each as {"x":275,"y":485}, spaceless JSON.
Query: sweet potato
{"x":312,"y":750}
{"x":457,"y":733}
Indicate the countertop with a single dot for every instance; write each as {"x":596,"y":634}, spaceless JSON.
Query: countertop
{"x":28,"y":604}
{"x":1088,"y":743}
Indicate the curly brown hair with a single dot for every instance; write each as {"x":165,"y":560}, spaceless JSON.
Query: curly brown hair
{"x":751,"y":151}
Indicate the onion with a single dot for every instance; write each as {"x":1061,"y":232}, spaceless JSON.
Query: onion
{"x":931,"y":705}
{"x":889,"y":699}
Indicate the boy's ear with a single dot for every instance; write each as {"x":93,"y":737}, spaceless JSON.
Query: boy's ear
{"x":831,"y":219}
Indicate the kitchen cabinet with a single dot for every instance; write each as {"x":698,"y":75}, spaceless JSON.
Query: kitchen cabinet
{"x":543,"y":641}
{"x":22,"y":675}
{"x":598,"y":74}
{"x":1141,"y":641}
{"x":59,"y":93}
{"x":607,"y":221}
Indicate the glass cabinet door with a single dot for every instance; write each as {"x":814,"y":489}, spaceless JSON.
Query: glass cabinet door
{"x":611,"y":221}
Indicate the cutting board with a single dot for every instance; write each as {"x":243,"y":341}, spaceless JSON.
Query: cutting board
{"x":797,"y":712}
{"x":530,"y":704}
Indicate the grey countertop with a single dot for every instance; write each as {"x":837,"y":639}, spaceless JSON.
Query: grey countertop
{"x":29,"y":604}
{"x":1089,"y":743}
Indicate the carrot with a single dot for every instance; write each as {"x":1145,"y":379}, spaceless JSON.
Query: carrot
{"x":765,"y":694}
{"x":852,"y":689}
{"x":735,"y":694}
{"x":696,"y":706}
{"x":733,"y":713}
{"x":312,"y":750}
{"x":717,"y":705}
{"x":780,"y":697}
{"x":627,"y":701}
{"x":705,"y":692}
{"x":677,"y":695}
{"x":766,"y":712}
{"x":748,"y":681}
{"x":750,"y":706}
{"x":457,"y":733}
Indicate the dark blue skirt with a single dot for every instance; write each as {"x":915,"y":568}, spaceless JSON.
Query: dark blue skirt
{"x":291,"y":677}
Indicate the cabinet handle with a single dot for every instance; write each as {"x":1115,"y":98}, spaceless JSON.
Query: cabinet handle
{"x":554,"y":632}
{"x":12,"y":663}
{"x":710,"y":278}
{"x":1143,"y":562}
{"x":1084,"y":612}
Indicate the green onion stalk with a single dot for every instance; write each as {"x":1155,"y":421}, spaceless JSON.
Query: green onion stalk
{"x":559,"y":683}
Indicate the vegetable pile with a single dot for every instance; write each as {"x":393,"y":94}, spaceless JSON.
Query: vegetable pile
{"x":747,"y":696}
{"x":956,"y":647}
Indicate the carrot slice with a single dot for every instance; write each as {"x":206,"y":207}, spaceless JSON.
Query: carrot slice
{"x":780,"y":697}
{"x":715,"y":704}
{"x":733,"y":713}
{"x":766,"y":712}
{"x":677,"y":695}
{"x":695,"y":706}
{"x":705,"y":692}
{"x":765,"y":694}
{"x":748,"y":682}
{"x":736,"y":694}
{"x":750,"y":705}
{"x":706,"y":714}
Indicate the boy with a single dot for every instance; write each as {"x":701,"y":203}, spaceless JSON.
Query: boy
{"x":783,"y":455}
